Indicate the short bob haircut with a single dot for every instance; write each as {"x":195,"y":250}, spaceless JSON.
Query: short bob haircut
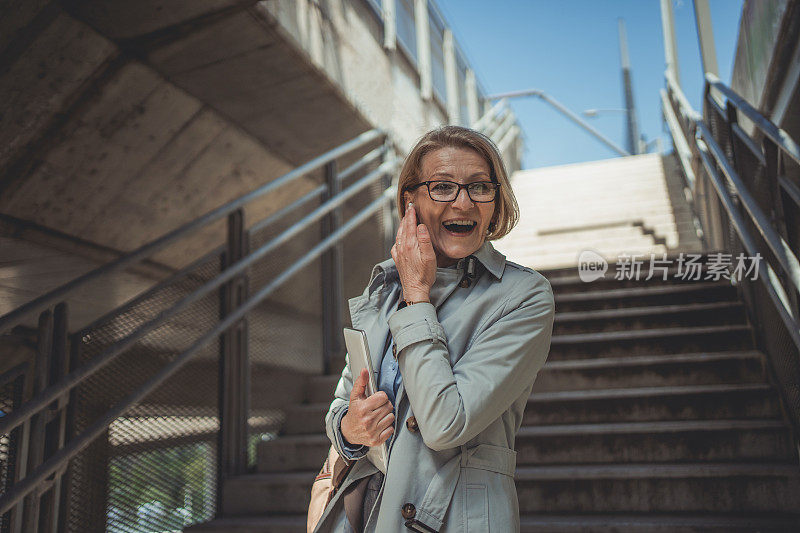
{"x":506,"y":210}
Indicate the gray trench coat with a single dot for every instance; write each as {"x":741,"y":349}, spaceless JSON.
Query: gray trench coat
{"x":468,"y":361}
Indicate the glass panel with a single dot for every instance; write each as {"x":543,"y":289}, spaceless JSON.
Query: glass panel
{"x":406,"y":28}
{"x":437,"y":57}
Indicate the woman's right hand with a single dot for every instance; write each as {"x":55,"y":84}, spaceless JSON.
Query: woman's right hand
{"x":369,"y":419}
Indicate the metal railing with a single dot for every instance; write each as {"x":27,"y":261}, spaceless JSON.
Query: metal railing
{"x":745,"y":189}
{"x":120,"y":378}
{"x":500,"y":124}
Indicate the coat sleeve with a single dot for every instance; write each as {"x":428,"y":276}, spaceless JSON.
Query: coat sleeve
{"x":454,"y":404}
{"x":337,"y":410}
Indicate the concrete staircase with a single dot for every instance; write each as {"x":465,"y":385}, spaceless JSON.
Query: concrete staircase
{"x":627,"y":204}
{"x":654,"y":412}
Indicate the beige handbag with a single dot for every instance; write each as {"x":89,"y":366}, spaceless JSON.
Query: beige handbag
{"x":325,"y":486}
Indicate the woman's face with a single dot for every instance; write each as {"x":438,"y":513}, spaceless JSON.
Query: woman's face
{"x":461,"y":165}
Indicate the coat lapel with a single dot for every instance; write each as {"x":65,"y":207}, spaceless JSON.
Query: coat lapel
{"x":370,"y":312}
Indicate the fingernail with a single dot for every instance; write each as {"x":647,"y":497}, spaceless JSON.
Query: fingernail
{"x":410,"y":205}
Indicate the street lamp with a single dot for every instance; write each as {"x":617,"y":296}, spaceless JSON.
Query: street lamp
{"x":564,"y":111}
{"x":594,"y":112}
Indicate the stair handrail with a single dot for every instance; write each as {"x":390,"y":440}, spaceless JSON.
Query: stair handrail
{"x":710,"y":155}
{"x":10,"y":319}
{"x":78,"y":376}
{"x":767,"y":127}
{"x":82,"y":440}
{"x":52,"y":393}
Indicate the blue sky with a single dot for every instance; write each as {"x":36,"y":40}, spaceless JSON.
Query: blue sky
{"x":569,"y":49}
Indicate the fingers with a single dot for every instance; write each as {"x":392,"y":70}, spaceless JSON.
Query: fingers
{"x":411,"y":213}
{"x":360,"y":386}
{"x":410,"y":223}
{"x":377,"y":401}
{"x":382,"y":430}
{"x":423,"y":236}
{"x":385,"y":434}
{"x":407,"y":232}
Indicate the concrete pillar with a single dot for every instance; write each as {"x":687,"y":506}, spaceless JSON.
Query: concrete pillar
{"x":705,"y":35}
{"x":423,"y":49}
{"x":670,"y":48}
{"x":473,"y":106}
{"x":451,"y":77}
{"x":389,"y":24}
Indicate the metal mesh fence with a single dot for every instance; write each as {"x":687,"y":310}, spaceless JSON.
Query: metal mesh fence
{"x":10,"y":399}
{"x":749,"y":161}
{"x":285,"y":331}
{"x":154,"y":469}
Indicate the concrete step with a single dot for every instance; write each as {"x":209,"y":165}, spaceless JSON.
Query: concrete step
{"x":661,"y":226}
{"x":652,"y":371}
{"x":268,"y":493}
{"x":552,"y":523}
{"x":655,"y":442}
{"x":659,"y":523}
{"x":673,"y":487}
{"x":651,"y":317}
{"x":291,"y":453}
{"x":320,"y":389}
{"x":252,"y":524}
{"x":650,"y":341}
{"x":570,"y":282}
{"x":697,"y":292}
{"x":693,"y":402}
{"x":592,"y":212}
{"x":634,"y":240}
{"x":545,"y":260}
{"x":672,"y":256}
{"x":714,"y":402}
{"x":645,"y":442}
{"x":703,"y":368}
{"x":712,"y":488}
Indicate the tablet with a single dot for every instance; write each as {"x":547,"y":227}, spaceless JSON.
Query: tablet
{"x":358,"y":354}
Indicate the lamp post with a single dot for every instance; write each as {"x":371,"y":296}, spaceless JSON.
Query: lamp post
{"x":592,"y":113}
{"x":633,"y":122}
{"x":558,"y":106}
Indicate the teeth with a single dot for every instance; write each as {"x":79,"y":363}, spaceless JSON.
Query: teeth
{"x":461,"y":222}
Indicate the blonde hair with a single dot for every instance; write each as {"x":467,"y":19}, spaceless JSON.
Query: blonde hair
{"x":506,"y":210}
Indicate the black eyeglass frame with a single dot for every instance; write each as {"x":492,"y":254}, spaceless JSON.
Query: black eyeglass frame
{"x":460,"y":186}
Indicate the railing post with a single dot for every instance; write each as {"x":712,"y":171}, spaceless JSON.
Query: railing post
{"x":332,"y":276}
{"x":424,"y":65}
{"x":389,"y":24}
{"x":389,"y":230}
{"x":473,"y":105}
{"x":451,"y":78}
{"x":19,"y":442}
{"x":772,"y":171}
{"x":70,"y":413}
{"x":44,"y":345}
{"x":57,"y":430}
{"x":234,"y":369}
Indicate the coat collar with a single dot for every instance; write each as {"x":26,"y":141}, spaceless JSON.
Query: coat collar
{"x":492,"y":260}
{"x":370,"y":311}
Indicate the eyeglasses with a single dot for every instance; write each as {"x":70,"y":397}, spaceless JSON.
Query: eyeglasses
{"x":447,"y":191}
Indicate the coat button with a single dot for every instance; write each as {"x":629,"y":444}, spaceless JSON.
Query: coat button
{"x":411,"y":424}
{"x":409,"y":511}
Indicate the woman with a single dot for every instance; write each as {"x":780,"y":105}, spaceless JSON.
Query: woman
{"x":457,"y":335}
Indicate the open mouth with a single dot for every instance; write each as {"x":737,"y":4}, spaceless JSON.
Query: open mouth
{"x":462,"y":227}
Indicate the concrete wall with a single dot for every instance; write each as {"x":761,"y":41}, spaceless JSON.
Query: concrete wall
{"x":341,"y":37}
{"x":123,"y":120}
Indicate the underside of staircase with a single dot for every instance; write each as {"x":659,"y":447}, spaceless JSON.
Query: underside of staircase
{"x":655,"y":411}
